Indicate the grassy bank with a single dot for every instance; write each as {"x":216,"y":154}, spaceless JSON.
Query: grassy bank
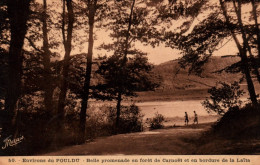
{"x":237,"y":132}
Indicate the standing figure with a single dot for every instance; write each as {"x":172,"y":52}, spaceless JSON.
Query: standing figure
{"x":195,"y":118}
{"x":186,"y":119}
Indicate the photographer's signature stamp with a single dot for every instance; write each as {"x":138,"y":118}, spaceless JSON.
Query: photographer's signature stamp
{"x":9,"y":142}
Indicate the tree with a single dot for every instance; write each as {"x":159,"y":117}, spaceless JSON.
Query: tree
{"x":41,"y":69}
{"x":242,"y":48}
{"x":128,"y":26}
{"x":48,"y":89}
{"x":223,"y":98}
{"x":65,"y":67}
{"x":137,"y":77}
{"x":95,"y":12}
{"x":257,"y":31}
{"x":92,"y":7}
{"x":18,"y":13}
{"x":122,"y":68}
{"x":205,"y":37}
{"x":104,"y":12}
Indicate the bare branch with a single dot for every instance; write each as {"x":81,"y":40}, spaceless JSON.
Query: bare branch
{"x":33,"y":45}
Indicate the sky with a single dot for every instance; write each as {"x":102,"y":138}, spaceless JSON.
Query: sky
{"x":155,"y":55}
{"x":227,"y":47}
{"x":161,"y":53}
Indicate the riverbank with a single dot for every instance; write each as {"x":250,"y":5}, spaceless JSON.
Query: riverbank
{"x":172,"y":95}
{"x":179,"y":121}
{"x":182,"y":94}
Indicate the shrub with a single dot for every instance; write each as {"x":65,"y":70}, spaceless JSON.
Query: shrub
{"x":97,"y":123}
{"x":156,"y":122}
{"x":38,"y":128}
{"x":223,"y":98}
{"x":101,"y":121}
{"x":131,"y":119}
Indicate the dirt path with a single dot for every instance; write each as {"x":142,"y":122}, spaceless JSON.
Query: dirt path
{"x":171,"y":141}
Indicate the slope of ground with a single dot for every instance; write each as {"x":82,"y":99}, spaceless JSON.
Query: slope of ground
{"x":158,"y":142}
{"x":172,"y":141}
{"x":176,"y":78}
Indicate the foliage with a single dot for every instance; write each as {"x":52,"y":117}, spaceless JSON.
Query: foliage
{"x":130,"y":119}
{"x":127,"y":70}
{"x":38,"y":69}
{"x":208,"y":33}
{"x":239,"y":123}
{"x":140,"y":26}
{"x":136,"y":77}
{"x":97,"y":123}
{"x":208,"y":36}
{"x":101,"y":120}
{"x":223,"y":98}
{"x":156,"y":121}
{"x":76,"y":74}
{"x":126,"y":74}
{"x":176,"y":9}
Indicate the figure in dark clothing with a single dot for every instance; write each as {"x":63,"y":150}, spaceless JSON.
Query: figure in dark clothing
{"x":195,"y":118}
{"x":186,"y":119}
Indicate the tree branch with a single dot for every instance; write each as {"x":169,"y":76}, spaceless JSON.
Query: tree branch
{"x":33,"y":45}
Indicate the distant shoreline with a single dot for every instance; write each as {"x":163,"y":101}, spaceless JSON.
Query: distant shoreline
{"x":177,"y":95}
{"x":172,"y":95}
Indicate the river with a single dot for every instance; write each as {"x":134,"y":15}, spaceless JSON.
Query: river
{"x":172,"y":108}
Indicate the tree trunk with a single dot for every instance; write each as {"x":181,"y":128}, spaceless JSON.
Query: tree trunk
{"x":250,"y":84}
{"x":85,"y":95}
{"x":122,"y":73}
{"x":257,"y":31}
{"x":65,"y":71}
{"x":244,"y":59}
{"x":18,"y":12}
{"x":128,"y":32}
{"x":118,"y":109}
{"x":245,"y":40}
{"x":48,"y":89}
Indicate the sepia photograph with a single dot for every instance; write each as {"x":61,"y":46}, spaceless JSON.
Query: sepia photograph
{"x":129,"y":77}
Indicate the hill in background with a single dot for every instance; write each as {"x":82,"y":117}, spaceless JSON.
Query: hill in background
{"x":172,"y":79}
{"x":182,"y":86}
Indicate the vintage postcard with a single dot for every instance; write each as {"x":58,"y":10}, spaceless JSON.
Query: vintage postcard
{"x":129,"y":82}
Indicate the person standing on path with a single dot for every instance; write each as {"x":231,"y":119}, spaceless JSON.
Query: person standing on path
{"x":195,"y":118}
{"x":186,"y":119}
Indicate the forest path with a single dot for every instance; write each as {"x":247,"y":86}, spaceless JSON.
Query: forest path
{"x":169,"y":141}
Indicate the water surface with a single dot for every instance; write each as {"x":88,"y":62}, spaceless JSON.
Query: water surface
{"x":173,"y":108}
